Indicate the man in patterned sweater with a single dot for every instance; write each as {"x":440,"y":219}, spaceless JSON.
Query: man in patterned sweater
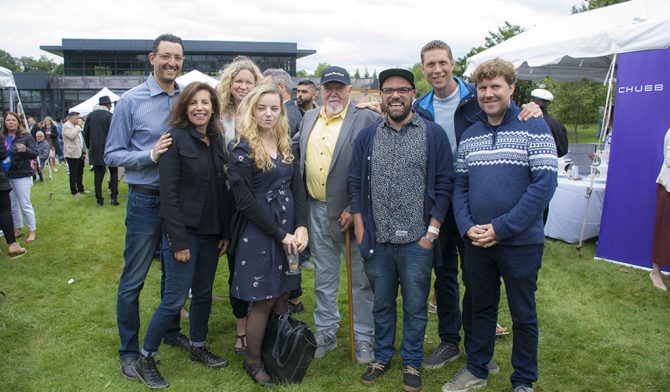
{"x":505,"y":177}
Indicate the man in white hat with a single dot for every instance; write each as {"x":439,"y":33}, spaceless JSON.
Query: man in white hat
{"x":543,"y":97}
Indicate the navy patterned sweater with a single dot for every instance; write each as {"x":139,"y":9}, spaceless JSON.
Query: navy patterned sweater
{"x":505,"y":175}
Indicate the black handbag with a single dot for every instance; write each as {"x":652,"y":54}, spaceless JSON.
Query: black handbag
{"x":288,"y":348}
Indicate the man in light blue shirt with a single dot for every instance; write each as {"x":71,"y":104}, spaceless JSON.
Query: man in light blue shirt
{"x":137,"y":138}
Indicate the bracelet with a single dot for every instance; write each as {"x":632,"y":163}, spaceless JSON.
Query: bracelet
{"x":429,"y":239}
{"x":434,"y":230}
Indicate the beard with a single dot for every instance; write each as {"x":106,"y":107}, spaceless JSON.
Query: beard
{"x":333,"y":109}
{"x":399,"y":117}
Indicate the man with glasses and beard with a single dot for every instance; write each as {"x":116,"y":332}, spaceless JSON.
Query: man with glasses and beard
{"x":400,"y":184}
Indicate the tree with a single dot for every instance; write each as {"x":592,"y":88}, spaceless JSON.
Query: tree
{"x":366,"y":73}
{"x":302,"y":73}
{"x":420,"y":83}
{"x":523,"y":87}
{"x":320,"y":68}
{"x":374,"y":74}
{"x":357,"y":74}
{"x":43,"y":64}
{"x":576,"y":102}
{"x":593,"y":4}
{"x":9,"y":62}
{"x":504,"y":33}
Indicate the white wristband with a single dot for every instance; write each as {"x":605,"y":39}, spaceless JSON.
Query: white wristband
{"x":434,"y":230}
{"x":151,"y":156}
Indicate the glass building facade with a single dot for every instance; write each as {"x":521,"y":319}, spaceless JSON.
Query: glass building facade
{"x":91,"y":64}
{"x":98,"y":57}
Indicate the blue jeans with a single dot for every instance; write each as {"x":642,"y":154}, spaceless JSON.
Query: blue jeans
{"x":410,"y":266}
{"x":143,"y":233}
{"x":518,"y":266}
{"x":198,"y":275}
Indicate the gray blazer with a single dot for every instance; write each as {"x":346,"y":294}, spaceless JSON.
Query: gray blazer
{"x":337,"y":185}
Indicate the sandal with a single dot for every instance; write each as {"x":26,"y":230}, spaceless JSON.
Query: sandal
{"x":18,"y":253}
{"x":254,"y":370}
{"x":501,"y":331}
{"x":242,"y":350}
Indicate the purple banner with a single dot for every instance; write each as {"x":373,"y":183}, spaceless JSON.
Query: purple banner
{"x":641,"y":118}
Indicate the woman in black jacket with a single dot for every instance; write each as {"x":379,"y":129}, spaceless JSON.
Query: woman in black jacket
{"x":195,"y":210}
{"x":22,"y":151}
{"x":6,"y":223}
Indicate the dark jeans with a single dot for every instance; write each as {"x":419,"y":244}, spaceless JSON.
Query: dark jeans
{"x":198,"y":275}
{"x":518,"y":266}
{"x":408,"y":265}
{"x":99,"y":175}
{"x":447,"y":291}
{"x":6,"y":221}
{"x":143,"y":234}
{"x":76,"y":166}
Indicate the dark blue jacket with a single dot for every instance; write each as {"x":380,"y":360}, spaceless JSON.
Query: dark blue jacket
{"x":466,"y":112}
{"x":439,"y":181}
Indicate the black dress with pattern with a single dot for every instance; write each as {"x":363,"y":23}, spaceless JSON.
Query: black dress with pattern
{"x":270,"y":204}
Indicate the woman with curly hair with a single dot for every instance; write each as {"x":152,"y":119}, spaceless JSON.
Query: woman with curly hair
{"x":237,"y":80}
{"x":271,"y":218}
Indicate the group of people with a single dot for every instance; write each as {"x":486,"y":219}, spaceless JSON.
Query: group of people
{"x":416,"y":180}
{"x":86,"y":139}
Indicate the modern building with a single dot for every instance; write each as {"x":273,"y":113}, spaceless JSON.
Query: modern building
{"x":91,"y":64}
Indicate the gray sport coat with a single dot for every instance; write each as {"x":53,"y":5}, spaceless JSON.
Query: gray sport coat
{"x":337,"y":183}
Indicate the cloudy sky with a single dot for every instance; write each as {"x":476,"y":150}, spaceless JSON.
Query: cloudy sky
{"x":354,"y":34}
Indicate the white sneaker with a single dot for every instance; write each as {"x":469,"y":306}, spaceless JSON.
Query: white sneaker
{"x":364,"y":352}
{"x":464,"y":381}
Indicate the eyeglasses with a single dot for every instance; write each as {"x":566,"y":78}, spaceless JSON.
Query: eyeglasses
{"x":399,"y":90}
{"x":167,"y":57}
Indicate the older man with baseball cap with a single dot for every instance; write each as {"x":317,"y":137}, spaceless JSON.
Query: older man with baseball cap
{"x":325,"y":143}
{"x":400,"y":187}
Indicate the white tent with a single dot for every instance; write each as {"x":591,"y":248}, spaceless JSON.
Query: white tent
{"x":582,"y":45}
{"x":7,"y":81}
{"x":90,"y":104}
{"x":196,"y":76}
{"x":6,"y":78}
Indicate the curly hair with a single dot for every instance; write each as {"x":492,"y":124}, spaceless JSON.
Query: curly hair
{"x":247,"y":128}
{"x":493,"y":68}
{"x":224,"y":89}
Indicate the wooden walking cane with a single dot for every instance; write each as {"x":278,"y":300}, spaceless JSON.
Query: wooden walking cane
{"x":349,"y":296}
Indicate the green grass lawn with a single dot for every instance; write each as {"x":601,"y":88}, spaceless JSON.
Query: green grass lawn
{"x":603,"y":327}
{"x":586,"y":133}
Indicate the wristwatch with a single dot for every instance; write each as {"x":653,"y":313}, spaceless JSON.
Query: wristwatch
{"x":430,"y":239}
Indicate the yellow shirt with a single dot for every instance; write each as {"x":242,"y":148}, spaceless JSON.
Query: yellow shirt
{"x":319,"y":154}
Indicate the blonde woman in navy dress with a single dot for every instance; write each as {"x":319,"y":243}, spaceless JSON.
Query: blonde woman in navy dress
{"x":237,"y":80}
{"x":271,"y":215}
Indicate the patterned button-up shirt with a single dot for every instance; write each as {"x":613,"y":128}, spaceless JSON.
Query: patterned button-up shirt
{"x":398,"y":183}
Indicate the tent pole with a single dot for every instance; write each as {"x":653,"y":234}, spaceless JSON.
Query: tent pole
{"x":607,"y":116}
